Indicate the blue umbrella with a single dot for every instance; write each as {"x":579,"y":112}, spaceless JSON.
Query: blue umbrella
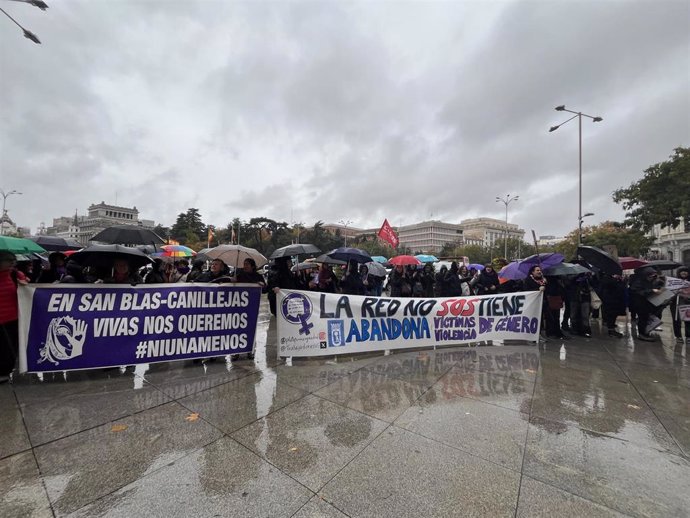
{"x":379,"y":259}
{"x":350,"y":254}
{"x":427,"y":258}
{"x":476,"y":266}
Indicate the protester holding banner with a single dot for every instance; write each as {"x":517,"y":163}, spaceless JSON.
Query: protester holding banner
{"x":249,"y":274}
{"x":399,"y":284}
{"x":55,"y":270}
{"x":216,"y":273}
{"x":488,"y":282}
{"x":155,"y":275}
{"x":10,"y":278}
{"x":679,"y":301}
{"x":440,"y":288}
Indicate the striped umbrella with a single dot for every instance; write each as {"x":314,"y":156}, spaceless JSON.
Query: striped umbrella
{"x":178,"y":251}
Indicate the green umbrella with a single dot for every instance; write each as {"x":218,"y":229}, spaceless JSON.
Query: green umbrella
{"x":18,"y":245}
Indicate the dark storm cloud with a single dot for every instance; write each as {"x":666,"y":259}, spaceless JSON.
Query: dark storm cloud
{"x":306,"y":111}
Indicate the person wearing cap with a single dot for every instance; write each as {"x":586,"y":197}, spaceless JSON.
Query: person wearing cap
{"x":10,"y":278}
{"x":56,"y":268}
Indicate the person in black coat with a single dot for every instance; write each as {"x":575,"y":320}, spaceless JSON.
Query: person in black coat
{"x":612,"y":295}
{"x":644,"y":284}
{"x":279,"y":276}
{"x":56,"y":269}
{"x":249,"y":274}
{"x":155,"y":276}
{"x":440,"y":288}
{"x":452,"y":280}
{"x":352,"y":282}
{"x":488,"y":282}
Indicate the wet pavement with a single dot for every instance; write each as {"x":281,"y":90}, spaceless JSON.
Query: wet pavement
{"x":601,"y":428}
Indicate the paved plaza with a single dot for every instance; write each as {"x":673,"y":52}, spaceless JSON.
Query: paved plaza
{"x":599,"y":429}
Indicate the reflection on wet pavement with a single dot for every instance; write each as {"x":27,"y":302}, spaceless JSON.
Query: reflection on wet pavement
{"x":596,"y":427}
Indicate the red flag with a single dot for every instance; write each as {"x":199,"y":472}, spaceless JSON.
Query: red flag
{"x":388,"y":234}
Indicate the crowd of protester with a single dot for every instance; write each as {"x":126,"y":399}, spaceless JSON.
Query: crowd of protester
{"x":569,"y":303}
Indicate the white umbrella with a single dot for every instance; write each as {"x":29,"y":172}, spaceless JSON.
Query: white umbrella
{"x":234,"y":255}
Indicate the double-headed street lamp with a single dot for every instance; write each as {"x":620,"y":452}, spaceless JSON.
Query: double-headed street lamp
{"x":345,"y":223}
{"x":579,"y":116}
{"x":5,"y":195}
{"x":506,"y":201}
{"x":27,"y":33}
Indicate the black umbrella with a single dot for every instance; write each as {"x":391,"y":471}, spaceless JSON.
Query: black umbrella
{"x":324,"y":258}
{"x":56,"y":244}
{"x":602,"y":260}
{"x":350,"y":254}
{"x":104,"y":255}
{"x":662,"y":264}
{"x":291,"y":250}
{"x":565,"y":269}
{"x":128,"y":235}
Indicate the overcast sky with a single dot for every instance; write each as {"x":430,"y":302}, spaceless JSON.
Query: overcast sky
{"x":360,"y":111}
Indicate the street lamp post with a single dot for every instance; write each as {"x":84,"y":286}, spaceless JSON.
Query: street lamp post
{"x":579,"y":226}
{"x":506,"y":201}
{"x":579,"y":116}
{"x":5,"y":195}
{"x":345,"y":223}
{"x":27,"y":33}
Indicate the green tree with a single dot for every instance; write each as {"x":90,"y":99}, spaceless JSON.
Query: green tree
{"x":187,"y":222}
{"x":662,"y":196}
{"x":162,"y":231}
{"x":628,"y":241}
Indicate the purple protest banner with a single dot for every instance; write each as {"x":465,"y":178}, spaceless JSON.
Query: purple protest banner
{"x":85,"y":326}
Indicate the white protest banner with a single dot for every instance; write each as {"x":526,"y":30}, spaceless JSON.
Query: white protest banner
{"x":318,"y":324}
{"x":678,"y":285}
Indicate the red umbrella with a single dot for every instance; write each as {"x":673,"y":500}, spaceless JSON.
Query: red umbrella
{"x":630,"y":263}
{"x":404,"y":260}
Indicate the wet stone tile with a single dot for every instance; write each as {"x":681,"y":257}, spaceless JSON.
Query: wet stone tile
{"x":312,"y":375}
{"x":679,"y":428}
{"x":398,"y":475}
{"x":488,"y":431}
{"x":508,"y":391}
{"x":13,"y":436}
{"x":235,"y":404}
{"x":318,"y":508}
{"x":83,"y":467}
{"x":311,"y":440}
{"x":222,"y":479}
{"x":21,"y":491}
{"x":592,"y":410}
{"x":541,"y":500}
{"x":610,"y":472}
{"x":55,"y":386}
{"x":674,"y":399}
{"x":180,"y":379}
{"x":422,"y":368}
{"x":56,"y":418}
{"x":375,"y":395}
{"x":613,"y":385}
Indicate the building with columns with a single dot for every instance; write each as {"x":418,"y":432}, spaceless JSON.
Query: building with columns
{"x":100,"y":216}
{"x":671,"y":243}
{"x":490,"y":230}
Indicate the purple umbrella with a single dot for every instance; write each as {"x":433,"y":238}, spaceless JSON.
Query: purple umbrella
{"x":511,"y":272}
{"x":545,"y":260}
